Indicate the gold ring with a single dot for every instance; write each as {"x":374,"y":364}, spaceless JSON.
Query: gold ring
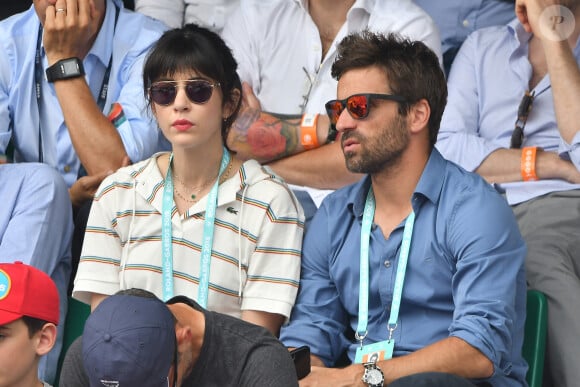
{"x":61,"y":10}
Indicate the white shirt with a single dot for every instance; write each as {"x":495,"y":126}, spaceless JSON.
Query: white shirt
{"x":277,"y":46}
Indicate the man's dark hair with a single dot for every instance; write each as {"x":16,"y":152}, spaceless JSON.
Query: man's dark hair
{"x":34,"y":325}
{"x":412,"y":69}
{"x":136,"y":292}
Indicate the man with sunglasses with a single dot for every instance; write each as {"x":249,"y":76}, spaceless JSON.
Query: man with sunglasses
{"x":512,"y":117}
{"x":285,"y":49}
{"x":213,"y":349}
{"x":416,"y":272}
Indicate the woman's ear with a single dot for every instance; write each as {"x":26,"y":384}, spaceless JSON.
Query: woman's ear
{"x":232,"y":103}
{"x":46,"y":338}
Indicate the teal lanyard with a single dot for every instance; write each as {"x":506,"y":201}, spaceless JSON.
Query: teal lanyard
{"x":365,"y":234}
{"x":208,"y":231}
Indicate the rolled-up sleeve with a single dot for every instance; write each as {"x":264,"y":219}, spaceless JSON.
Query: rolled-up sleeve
{"x":318,"y":319}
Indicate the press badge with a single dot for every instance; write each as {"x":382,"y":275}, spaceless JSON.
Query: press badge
{"x":383,"y":350}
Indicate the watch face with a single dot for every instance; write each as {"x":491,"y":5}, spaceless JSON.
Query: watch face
{"x":70,"y":67}
{"x":374,"y":376}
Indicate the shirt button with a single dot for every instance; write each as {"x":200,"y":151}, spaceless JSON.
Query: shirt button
{"x":67,"y":168}
{"x":387,"y":264}
{"x":466,"y":23}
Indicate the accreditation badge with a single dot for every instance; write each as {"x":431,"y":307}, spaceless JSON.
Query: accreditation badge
{"x":383,"y":350}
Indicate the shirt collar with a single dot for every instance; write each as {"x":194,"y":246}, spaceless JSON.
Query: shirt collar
{"x":517,"y":30}
{"x":366,"y":5}
{"x":429,"y":186}
{"x":102,"y":47}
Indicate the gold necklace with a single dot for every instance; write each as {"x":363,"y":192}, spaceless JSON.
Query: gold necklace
{"x":197,"y":190}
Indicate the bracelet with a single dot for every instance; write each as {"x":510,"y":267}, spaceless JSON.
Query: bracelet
{"x":308,"y":136}
{"x":528,"y":163}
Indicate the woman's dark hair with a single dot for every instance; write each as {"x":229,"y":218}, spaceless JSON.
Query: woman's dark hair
{"x":192,"y":47}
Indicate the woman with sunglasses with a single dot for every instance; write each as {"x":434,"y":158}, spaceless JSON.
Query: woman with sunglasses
{"x":195,"y":221}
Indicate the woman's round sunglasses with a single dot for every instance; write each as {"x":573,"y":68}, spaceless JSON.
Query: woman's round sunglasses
{"x":358,"y":105}
{"x":197,"y":90}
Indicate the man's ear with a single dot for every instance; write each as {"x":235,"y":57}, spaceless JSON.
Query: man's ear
{"x":183,"y":336}
{"x":418,"y":117}
{"x":46,"y":338}
{"x":232,"y":103}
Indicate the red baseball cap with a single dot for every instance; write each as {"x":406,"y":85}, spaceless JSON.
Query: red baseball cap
{"x":26,"y":291}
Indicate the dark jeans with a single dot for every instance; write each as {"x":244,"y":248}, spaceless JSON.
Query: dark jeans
{"x":80,"y":216}
{"x":434,"y":379}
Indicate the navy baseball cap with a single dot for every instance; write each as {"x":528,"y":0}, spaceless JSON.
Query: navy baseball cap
{"x":129,"y":341}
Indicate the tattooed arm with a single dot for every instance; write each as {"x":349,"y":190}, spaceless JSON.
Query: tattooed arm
{"x":275,"y":139}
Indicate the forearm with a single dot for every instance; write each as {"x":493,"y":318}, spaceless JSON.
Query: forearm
{"x":268,"y":136}
{"x":270,"y":321}
{"x":322,"y":168}
{"x":94,"y":137}
{"x":450,"y":355}
{"x":504,"y":166}
{"x":565,"y":80}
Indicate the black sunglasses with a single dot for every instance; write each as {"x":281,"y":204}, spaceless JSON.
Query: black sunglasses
{"x":523,"y":112}
{"x":358,"y":105}
{"x":197,"y":90}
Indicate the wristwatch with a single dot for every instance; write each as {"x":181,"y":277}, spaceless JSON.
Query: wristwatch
{"x":373,"y":376}
{"x":65,"y":69}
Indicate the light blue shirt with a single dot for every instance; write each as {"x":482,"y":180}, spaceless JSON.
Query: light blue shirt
{"x":133,"y":36}
{"x":456,"y":19}
{"x":36,"y":228}
{"x":465,"y":275}
{"x":490,"y":75}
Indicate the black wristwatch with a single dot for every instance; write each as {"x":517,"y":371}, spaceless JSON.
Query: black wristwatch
{"x":373,"y":376}
{"x":65,"y":69}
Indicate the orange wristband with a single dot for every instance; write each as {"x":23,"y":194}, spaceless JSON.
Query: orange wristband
{"x":528,"y":163}
{"x":308,"y":136}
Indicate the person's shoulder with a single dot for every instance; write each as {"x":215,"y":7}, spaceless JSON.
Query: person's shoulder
{"x":244,"y":333}
{"x":150,"y":29}
{"x":127,"y":177}
{"x":397,"y":9}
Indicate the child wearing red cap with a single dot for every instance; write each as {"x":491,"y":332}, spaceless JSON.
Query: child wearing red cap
{"x":28,"y":317}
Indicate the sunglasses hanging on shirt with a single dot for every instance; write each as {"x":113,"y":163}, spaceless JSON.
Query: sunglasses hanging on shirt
{"x":523,"y":112}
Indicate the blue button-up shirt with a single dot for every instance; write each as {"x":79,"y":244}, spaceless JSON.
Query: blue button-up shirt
{"x":490,"y":75}
{"x":456,"y":19}
{"x":465,"y":275}
{"x":19,"y":110}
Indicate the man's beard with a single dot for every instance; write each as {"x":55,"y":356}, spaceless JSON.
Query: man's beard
{"x":379,"y":152}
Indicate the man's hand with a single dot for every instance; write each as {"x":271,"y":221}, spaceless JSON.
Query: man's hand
{"x":70,"y":28}
{"x":84,"y":188}
{"x":529,"y":11}
{"x":333,"y":377}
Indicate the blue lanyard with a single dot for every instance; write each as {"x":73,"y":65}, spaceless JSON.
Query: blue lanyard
{"x":365,"y":234}
{"x":208,"y":231}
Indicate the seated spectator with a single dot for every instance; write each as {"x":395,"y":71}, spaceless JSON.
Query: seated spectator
{"x":211,"y":14}
{"x":36,"y":228}
{"x":128,"y":340}
{"x":285,"y":50}
{"x":29,"y":314}
{"x":213,"y":349}
{"x":415,"y":220}
{"x":536,"y":162}
{"x":456,"y":19}
{"x":84,"y":59}
{"x":197,"y":220}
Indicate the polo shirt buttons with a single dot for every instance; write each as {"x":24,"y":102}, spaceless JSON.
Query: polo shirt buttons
{"x":67,"y":168}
